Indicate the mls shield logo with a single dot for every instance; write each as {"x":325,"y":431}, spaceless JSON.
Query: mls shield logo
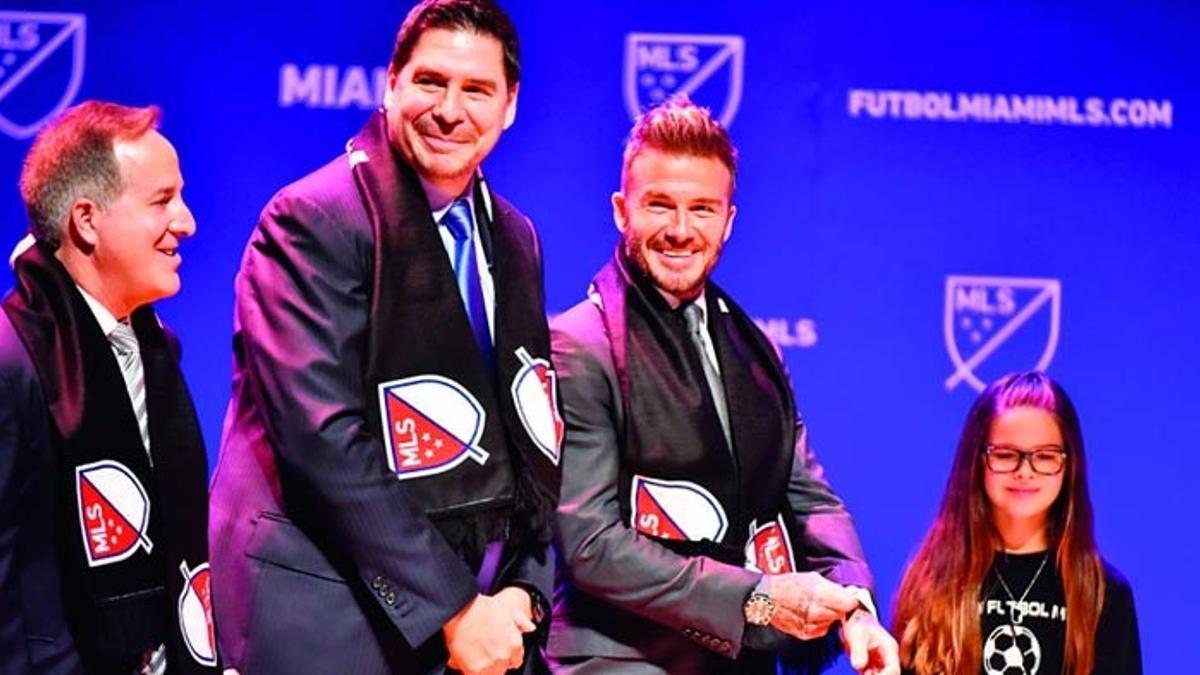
{"x":994,"y":325}
{"x":676,"y":510}
{"x":114,"y":512}
{"x":769,"y":549}
{"x":708,"y":68}
{"x":41,"y":68}
{"x":431,"y":425}
{"x":195,"y":614}
{"x":535,"y":394}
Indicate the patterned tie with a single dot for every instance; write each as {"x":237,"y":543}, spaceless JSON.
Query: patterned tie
{"x":695,"y":324}
{"x":126,"y":344}
{"x":458,"y":221}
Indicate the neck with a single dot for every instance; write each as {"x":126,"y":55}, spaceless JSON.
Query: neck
{"x":1022,"y":535}
{"x":441,"y":192}
{"x":84,"y":274}
{"x":675,"y":301}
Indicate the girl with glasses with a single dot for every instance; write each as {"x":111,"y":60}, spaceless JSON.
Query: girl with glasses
{"x":1008,"y":581}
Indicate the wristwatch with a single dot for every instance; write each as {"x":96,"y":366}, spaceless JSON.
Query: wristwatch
{"x":759,"y":609}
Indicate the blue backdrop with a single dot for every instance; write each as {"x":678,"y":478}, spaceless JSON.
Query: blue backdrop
{"x":930,"y":195}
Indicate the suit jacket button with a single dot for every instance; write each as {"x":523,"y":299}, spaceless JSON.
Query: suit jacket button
{"x":377,"y":583}
{"x":390,"y":598}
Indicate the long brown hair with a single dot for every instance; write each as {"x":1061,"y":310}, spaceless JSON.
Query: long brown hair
{"x":937,"y":608}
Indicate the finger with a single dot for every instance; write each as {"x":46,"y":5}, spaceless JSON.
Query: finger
{"x":842,"y":601}
{"x":524,"y":623}
{"x":518,"y":658}
{"x":834,"y":598}
{"x":856,"y":647}
{"x":824,"y":615}
{"x":890,"y":652}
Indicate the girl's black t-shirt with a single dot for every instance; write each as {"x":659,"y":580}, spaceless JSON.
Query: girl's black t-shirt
{"x":1024,"y":627}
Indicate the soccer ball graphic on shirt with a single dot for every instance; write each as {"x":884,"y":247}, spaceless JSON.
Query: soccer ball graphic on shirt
{"x":1012,"y":653}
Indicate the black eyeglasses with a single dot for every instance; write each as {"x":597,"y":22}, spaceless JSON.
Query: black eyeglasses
{"x":1047,"y":460}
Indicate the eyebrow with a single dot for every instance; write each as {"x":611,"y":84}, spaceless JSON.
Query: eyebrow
{"x":428,"y":71}
{"x":165,"y":191}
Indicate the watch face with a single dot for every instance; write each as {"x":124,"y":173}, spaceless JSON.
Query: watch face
{"x":759,"y":609}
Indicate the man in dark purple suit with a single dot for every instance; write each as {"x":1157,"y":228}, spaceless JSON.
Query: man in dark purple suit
{"x":387,"y":474}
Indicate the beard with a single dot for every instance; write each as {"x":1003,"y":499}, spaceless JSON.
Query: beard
{"x":681,"y":284}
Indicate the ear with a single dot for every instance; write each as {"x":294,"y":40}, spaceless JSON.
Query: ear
{"x":389,"y":96}
{"x":618,"y":206}
{"x":510,"y":110}
{"x":82,"y":225}
{"x":729,"y":224}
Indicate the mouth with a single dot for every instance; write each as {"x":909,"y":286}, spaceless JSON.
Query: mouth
{"x":172,"y":253}
{"x":1022,"y":491}
{"x":442,"y":144}
{"x":677,"y":259}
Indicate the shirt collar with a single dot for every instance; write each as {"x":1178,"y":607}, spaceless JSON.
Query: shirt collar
{"x":439,"y":212}
{"x":703,"y":305}
{"x":103,"y":317}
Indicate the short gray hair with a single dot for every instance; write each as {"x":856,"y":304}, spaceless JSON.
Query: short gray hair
{"x":72,"y":158}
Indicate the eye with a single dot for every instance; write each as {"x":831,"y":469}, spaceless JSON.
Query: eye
{"x":1004,"y":454}
{"x":427,"y":81}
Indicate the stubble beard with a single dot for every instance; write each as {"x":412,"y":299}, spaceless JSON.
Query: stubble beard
{"x":635,"y":251}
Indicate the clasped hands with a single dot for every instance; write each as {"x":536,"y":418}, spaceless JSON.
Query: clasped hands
{"x":485,"y":637}
{"x":806,"y":607}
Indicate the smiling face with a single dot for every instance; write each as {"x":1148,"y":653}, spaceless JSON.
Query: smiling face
{"x":674,"y":215}
{"x":447,"y":105}
{"x":135,"y":239}
{"x":1021,"y":500}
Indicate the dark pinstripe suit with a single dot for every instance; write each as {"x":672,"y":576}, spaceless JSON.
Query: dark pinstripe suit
{"x":321,"y":563}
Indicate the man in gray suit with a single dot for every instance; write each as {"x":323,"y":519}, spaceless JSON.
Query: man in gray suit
{"x":696,"y":531}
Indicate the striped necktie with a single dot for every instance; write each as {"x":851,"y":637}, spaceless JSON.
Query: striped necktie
{"x":126,"y":345}
{"x":458,"y":220}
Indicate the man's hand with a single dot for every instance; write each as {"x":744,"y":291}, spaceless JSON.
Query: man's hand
{"x":872,"y":650}
{"x":518,"y":600}
{"x":484,"y":638}
{"x":807,"y":604}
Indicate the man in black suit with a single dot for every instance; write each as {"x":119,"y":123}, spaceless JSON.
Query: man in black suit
{"x":389,"y":464}
{"x":103,"y":503}
{"x":697,"y":533}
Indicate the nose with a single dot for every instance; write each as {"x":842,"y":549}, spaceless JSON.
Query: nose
{"x":183,"y":224}
{"x":1024,"y":468}
{"x":449,"y":110}
{"x":679,"y":228}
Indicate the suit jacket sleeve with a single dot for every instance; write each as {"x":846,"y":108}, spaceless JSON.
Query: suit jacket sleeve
{"x":33,"y":630}
{"x":603,"y":556}
{"x":303,"y":311}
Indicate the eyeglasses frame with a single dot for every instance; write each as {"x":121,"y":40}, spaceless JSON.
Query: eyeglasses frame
{"x":1024,"y":456}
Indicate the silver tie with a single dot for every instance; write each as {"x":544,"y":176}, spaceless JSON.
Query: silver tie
{"x":696,"y":330}
{"x":126,"y":345}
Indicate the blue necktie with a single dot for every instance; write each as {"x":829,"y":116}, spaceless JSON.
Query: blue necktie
{"x":458,"y":221}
